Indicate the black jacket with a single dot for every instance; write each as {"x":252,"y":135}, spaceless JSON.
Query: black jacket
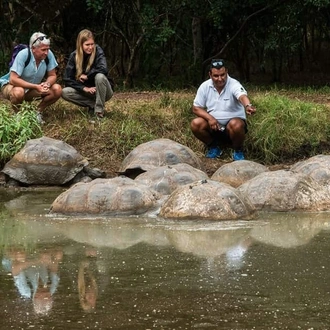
{"x":99,"y":66}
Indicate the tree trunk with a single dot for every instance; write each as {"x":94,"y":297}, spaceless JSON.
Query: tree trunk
{"x":197,"y":39}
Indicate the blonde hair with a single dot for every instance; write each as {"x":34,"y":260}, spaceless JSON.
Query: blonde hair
{"x":83,"y":36}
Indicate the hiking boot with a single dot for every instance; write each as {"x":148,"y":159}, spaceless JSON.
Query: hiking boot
{"x":213,"y":152}
{"x":91,"y":111}
{"x":40,"y":120}
{"x":99,"y":115}
{"x":238,"y":155}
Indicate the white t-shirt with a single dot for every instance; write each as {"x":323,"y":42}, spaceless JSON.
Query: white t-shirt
{"x":223,"y":106}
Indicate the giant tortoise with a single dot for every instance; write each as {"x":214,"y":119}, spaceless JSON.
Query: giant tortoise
{"x":207,"y":199}
{"x":284,"y":190}
{"x":47,"y":161}
{"x":155,"y":153}
{"x":236,"y":173}
{"x":119,"y":196}
{"x":165,"y":179}
{"x":318,"y":167}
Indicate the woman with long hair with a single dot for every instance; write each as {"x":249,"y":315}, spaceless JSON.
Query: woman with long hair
{"x":85,"y":77}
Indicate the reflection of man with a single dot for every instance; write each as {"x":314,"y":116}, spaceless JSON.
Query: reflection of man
{"x":87,"y":285}
{"x":35,"y":279}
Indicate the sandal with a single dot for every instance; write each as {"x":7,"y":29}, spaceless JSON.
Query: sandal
{"x":99,"y":115}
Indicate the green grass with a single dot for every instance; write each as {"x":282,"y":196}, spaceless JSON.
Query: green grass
{"x":286,"y":127}
{"x":289,"y":124}
{"x":16,"y":129}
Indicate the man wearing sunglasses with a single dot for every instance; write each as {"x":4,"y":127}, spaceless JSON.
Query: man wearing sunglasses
{"x":221,"y":105}
{"x":35,"y":79}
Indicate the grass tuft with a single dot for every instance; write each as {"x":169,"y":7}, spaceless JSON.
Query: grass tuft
{"x":289,"y":124}
{"x":16,"y":129}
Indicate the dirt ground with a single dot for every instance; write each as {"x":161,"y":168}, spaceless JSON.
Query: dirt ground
{"x":210,"y":165}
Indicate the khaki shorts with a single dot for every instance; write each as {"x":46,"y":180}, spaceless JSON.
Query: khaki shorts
{"x":6,"y":89}
{"x":30,"y":95}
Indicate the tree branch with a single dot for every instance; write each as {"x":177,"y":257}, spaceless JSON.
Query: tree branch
{"x":239,"y":31}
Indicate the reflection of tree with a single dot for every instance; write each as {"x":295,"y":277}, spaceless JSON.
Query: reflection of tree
{"x":35,"y":277}
{"x":87,"y":285}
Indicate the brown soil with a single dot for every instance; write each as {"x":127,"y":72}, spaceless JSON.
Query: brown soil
{"x":210,"y":165}
{"x":111,"y":167}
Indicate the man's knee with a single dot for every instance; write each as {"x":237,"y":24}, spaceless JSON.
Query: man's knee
{"x":236,"y":125}
{"x":56,"y":90}
{"x":6,"y":91}
{"x":236,"y":128}
{"x":16,"y":95}
{"x":198,"y":124}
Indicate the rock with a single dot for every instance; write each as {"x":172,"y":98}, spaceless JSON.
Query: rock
{"x":317,"y":167}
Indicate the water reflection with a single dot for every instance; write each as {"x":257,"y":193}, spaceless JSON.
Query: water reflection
{"x":87,"y":285}
{"x":35,"y":276}
{"x":59,"y":273}
{"x":290,"y":230}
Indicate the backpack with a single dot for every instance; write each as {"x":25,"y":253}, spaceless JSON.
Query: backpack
{"x":17,"y":49}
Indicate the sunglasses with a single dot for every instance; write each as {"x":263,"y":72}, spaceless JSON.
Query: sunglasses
{"x":217,"y":64}
{"x":41,"y":38}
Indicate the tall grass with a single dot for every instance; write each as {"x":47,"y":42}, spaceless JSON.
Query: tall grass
{"x":286,"y":125}
{"x":16,"y":129}
{"x":286,"y":128}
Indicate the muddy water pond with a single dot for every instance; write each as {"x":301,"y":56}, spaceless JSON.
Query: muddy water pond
{"x":150,"y":273}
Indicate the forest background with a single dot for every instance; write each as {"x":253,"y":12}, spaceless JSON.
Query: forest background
{"x":158,"y":52}
{"x":167,"y":44}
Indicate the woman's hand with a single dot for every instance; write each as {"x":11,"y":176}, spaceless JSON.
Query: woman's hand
{"x":90,"y":90}
{"x":83,"y":78}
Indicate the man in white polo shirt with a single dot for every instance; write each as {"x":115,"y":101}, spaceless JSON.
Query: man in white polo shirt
{"x":221,"y":104}
{"x":25,"y":81}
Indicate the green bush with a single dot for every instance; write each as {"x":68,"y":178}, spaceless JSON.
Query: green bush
{"x":284,"y":127}
{"x":16,"y":129}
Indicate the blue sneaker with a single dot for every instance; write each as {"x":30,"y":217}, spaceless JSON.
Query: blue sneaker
{"x":213,"y":152}
{"x":238,"y":155}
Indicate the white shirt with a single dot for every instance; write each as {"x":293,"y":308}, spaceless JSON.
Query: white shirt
{"x":223,"y":106}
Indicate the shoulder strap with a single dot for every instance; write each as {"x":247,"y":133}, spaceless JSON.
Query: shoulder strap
{"x":27,"y":61}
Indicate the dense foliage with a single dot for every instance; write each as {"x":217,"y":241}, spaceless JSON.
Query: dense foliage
{"x":168,"y":43}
